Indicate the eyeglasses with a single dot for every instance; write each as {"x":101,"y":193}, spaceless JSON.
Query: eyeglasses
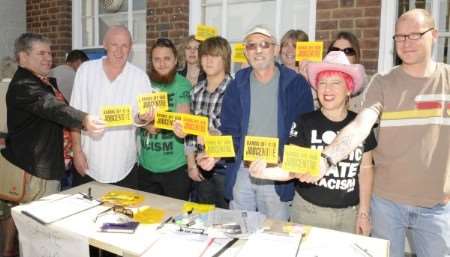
{"x":349,"y":51}
{"x":115,"y":209}
{"x":263,"y":45}
{"x":412,"y":36}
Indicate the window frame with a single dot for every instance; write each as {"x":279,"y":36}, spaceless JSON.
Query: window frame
{"x":196,"y":17}
{"x":77,"y":27}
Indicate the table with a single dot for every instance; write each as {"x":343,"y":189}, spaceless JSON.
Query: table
{"x":132,"y":245}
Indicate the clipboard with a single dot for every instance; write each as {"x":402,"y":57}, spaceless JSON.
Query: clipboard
{"x":54,"y":210}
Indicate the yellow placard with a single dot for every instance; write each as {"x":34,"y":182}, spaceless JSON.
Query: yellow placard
{"x":197,"y":208}
{"x":148,"y":215}
{"x":238,"y":53}
{"x":195,"y":124}
{"x":309,"y":51}
{"x":298,"y":159}
{"x":204,"y":32}
{"x":261,"y":148}
{"x":116,"y":115}
{"x":219,"y":146}
{"x":165,"y":120}
{"x":123,"y":198}
{"x":158,"y":100}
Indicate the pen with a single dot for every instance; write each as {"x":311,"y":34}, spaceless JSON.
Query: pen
{"x":298,"y":246}
{"x":207,"y":246}
{"x":361,"y":250}
{"x":164,"y":223}
{"x":228,"y":245}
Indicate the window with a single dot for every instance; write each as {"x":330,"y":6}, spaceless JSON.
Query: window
{"x":233,"y":18}
{"x":440,"y":9}
{"x":92,"y":18}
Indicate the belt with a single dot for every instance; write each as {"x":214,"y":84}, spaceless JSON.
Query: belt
{"x":269,"y":165}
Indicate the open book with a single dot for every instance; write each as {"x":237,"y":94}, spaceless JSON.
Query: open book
{"x":50,"y":211}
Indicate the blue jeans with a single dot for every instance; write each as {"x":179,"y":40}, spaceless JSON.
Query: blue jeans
{"x":430,"y":227}
{"x":254,"y":194}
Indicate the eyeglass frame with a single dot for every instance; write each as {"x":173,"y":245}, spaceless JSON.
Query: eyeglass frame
{"x":262,"y":45}
{"x":348,"y":51}
{"x":419,"y":35}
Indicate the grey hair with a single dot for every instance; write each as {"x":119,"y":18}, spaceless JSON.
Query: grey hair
{"x":24,"y":43}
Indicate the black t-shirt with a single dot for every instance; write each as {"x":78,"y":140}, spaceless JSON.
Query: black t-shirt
{"x":339,"y":188}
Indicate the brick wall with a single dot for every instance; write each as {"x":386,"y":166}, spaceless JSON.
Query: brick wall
{"x":52,"y":18}
{"x":362,"y":17}
{"x":167,"y":18}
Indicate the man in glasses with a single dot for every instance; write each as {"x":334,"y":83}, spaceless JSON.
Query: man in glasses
{"x":263,"y":100}
{"x":109,"y":81}
{"x":412,"y":160}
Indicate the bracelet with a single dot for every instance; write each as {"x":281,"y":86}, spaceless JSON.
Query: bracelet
{"x":328,"y":159}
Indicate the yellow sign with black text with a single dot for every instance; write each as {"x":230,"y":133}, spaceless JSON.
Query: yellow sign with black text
{"x":309,"y":51}
{"x":165,"y":120}
{"x":298,"y":159}
{"x":261,"y":148}
{"x":195,"y":124}
{"x":219,"y":146}
{"x":116,"y":115}
{"x":158,"y":99}
{"x":204,"y":32}
{"x":238,"y":53}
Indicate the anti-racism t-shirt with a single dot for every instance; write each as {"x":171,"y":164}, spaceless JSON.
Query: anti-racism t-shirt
{"x":339,"y":187}
{"x":164,"y":151}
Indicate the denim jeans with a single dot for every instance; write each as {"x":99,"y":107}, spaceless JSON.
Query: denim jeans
{"x":430,"y":227}
{"x":254,"y":194}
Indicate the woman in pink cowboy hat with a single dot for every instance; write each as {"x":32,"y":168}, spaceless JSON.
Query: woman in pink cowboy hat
{"x":340,"y":200}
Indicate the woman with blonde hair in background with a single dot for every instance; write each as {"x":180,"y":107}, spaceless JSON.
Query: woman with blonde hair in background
{"x":189,"y":56}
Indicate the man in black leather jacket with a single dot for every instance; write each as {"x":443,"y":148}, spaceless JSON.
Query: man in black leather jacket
{"x":36,"y":116}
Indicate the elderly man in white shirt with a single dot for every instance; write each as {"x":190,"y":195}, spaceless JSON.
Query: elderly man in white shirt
{"x":112,"y":80}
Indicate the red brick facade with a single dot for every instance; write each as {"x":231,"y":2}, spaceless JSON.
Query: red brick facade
{"x":170,"y":18}
{"x":362,"y":17}
{"x":53,"y":18}
{"x":167,"y":18}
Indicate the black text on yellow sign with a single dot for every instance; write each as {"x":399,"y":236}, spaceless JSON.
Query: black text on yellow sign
{"x":204,"y":32}
{"x":298,"y":159}
{"x":117,"y":115}
{"x":309,"y":51}
{"x":158,"y":100}
{"x":238,"y":53}
{"x":195,"y":124}
{"x":165,"y":120}
{"x":261,"y":148}
{"x":192,"y":124}
{"x":219,"y":146}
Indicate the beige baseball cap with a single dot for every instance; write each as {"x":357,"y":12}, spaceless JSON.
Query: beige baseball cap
{"x":260,"y":29}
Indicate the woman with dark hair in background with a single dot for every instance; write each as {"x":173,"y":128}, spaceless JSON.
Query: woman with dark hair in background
{"x":348,"y":43}
{"x":191,"y":69}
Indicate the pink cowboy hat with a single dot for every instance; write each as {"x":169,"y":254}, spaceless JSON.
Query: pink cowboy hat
{"x":337,"y":61}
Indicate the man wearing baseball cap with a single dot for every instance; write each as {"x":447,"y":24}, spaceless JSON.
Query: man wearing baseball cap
{"x":263,"y":100}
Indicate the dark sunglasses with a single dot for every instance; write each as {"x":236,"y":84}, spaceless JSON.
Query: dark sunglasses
{"x":349,"y":51}
{"x":263,"y":45}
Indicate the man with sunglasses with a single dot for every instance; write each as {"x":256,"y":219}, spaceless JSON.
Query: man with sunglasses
{"x":412,"y":160}
{"x":263,"y":100}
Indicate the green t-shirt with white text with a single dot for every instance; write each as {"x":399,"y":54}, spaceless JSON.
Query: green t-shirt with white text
{"x":164,"y":151}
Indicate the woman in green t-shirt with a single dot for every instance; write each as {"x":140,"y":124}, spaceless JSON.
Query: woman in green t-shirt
{"x":162,"y":161}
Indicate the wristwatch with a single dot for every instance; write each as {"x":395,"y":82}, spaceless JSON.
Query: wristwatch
{"x":328,"y":159}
